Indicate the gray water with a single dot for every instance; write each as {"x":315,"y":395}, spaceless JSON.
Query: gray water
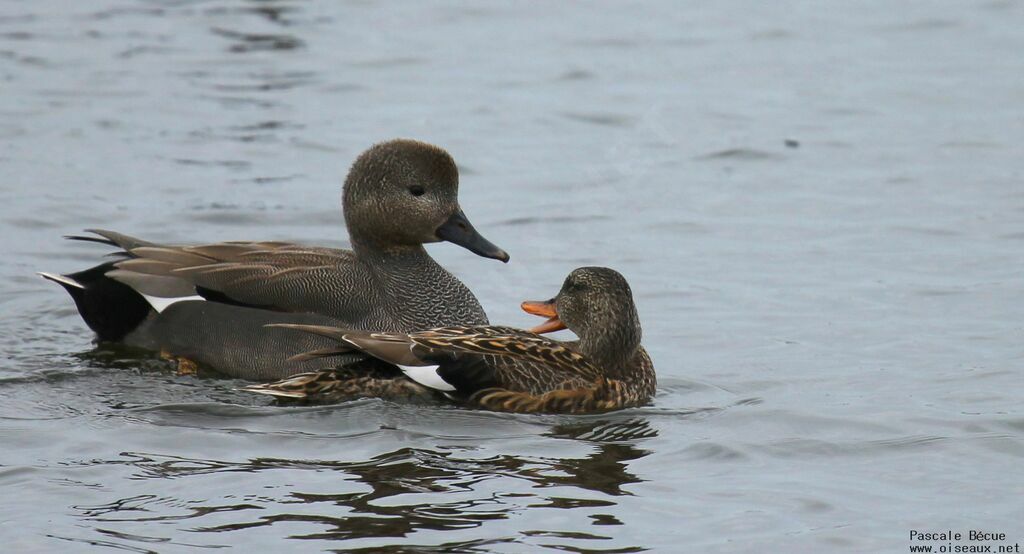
{"x":819,"y":207}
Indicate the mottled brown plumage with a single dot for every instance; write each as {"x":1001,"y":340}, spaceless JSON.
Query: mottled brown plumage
{"x":318,"y":386}
{"x":507,"y":369}
{"x":600,"y":396}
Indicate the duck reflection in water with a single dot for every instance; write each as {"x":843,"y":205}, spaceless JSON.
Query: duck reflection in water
{"x":411,"y":489}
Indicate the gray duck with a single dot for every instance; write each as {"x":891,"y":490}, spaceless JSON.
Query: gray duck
{"x":209,"y":304}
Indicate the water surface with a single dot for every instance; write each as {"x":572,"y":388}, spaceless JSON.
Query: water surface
{"x":820,"y":212}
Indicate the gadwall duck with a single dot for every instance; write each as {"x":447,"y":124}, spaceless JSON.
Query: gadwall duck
{"x":501,"y":368}
{"x":209,"y":304}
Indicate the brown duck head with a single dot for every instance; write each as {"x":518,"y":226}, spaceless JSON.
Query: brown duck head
{"x":596,"y":303}
{"x":404,"y":193}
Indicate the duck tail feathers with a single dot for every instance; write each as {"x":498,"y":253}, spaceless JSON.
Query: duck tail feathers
{"x":111,"y":238}
{"x":62,"y":280}
{"x":110,"y":308}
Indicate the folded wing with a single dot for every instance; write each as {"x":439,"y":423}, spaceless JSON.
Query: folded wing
{"x":272,"y":275}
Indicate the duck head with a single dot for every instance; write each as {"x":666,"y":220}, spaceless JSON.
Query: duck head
{"x":404,"y":193}
{"x":596,"y":303}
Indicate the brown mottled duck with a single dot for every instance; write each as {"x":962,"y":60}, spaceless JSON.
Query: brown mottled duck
{"x":501,"y":368}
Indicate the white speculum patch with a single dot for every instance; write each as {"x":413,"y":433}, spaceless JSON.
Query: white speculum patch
{"x":160,"y":304}
{"x":427,"y":376}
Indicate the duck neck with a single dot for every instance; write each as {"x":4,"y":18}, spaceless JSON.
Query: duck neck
{"x":392,"y":255}
{"x":421,"y":294}
{"x":611,"y":349}
{"x":403,"y":266}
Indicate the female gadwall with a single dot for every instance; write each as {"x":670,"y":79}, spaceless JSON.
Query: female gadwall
{"x":501,"y":368}
{"x":209,"y":304}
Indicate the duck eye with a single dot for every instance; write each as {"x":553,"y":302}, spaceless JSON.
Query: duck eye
{"x":416,"y":190}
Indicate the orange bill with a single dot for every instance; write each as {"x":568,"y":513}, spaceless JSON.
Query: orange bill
{"x":544,"y":309}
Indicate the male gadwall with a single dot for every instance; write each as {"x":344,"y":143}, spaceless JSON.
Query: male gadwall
{"x":210,"y":303}
{"x":501,"y":368}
